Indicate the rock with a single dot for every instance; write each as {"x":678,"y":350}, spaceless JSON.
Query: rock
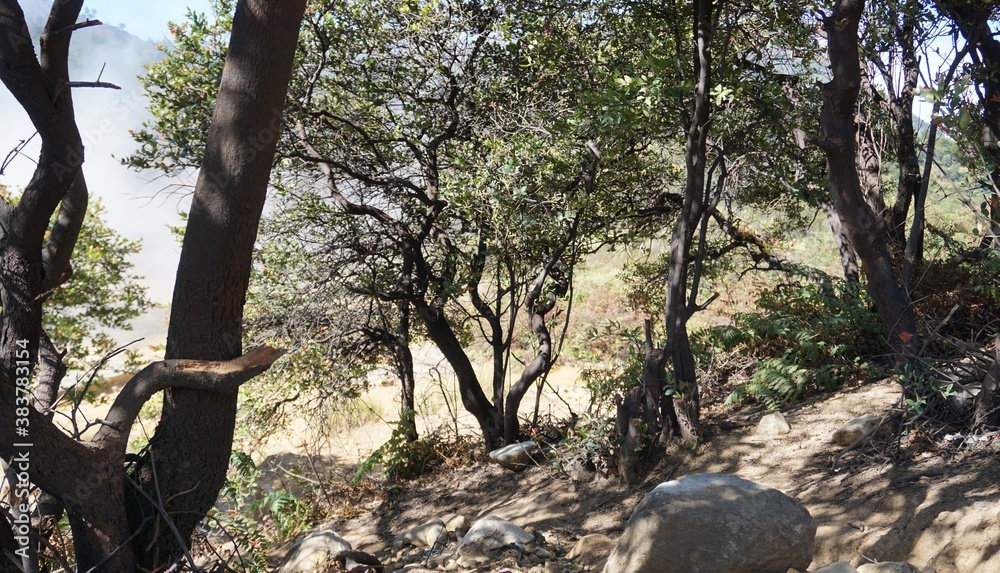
{"x":491,"y":533}
{"x":591,"y":550}
{"x":888,"y":567}
{"x":714,"y":523}
{"x":518,"y":456}
{"x":456,"y":525}
{"x":854,"y":429}
{"x":838,"y":567}
{"x":424,"y":535}
{"x":773,"y":424}
{"x":315,"y":552}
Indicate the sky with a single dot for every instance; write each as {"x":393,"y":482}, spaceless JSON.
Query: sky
{"x":136,"y":206}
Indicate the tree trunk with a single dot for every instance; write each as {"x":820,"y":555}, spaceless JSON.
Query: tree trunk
{"x":678,"y":311}
{"x":848,"y":259}
{"x":473,"y":397}
{"x":404,"y":369}
{"x":533,"y":371}
{"x":901,"y":109}
{"x":866,"y":229}
{"x":192,"y":444}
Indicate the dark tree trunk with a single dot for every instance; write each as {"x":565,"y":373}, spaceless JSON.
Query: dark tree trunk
{"x":848,"y":259}
{"x":866,"y":229}
{"x":901,"y":109}
{"x":404,"y":369}
{"x":678,"y":309}
{"x":533,"y":371}
{"x":192,"y":443}
{"x":473,"y":397}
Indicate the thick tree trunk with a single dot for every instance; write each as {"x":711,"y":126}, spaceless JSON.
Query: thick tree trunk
{"x":192,"y":443}
{"x":866,"y":229}
{"x":848,"y":259}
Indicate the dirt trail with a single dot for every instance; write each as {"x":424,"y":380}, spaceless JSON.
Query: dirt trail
{"x":930,"y":509}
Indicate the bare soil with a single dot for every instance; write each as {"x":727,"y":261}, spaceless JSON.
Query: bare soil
{"x":909,"y":497}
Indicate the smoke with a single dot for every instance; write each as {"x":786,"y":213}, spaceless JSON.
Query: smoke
{"x":139,"y":205}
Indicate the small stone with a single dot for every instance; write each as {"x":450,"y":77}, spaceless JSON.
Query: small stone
{"x":518,"y":456}
{"x":591,"y":550}
{"x":773,"y":424}
{"x":424,"y":535}
{"x":888,"y":567}
{"x":851,"y":431}
{"x":543,"y":553}
{"x":457,"y":525}
{"x":838,"y":567}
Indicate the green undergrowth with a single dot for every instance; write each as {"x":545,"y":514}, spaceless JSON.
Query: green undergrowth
{"x":802,"y":338}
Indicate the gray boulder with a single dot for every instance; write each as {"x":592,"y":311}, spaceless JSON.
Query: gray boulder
{"x":838,"y":567}
{"x":424,"y":535}
{"x":315,"y":552}
{"x":518,"y":456}
{"x":852,"y":431}
{"x":773,"y":424}
{"x":714,"y":523}
{"x":492,"y":533}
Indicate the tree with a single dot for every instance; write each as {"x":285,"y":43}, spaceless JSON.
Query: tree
{"x":459,"y":138}
{"x":867,"y":229}
{"x":88,"y":478}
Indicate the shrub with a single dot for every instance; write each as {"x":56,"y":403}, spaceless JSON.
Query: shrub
{"x":802,"y":338}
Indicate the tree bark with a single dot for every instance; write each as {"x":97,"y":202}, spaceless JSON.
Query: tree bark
{"x":678,"y":311}
{"x":192,"y":443}
{"x":866,"y":229}
{"x":848,"y":259}
{"x":473,"y":397}
{"x":901,"y":110}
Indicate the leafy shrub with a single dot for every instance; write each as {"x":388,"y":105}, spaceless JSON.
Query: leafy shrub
{"x":279,"y":513}
{"x":593,"y":441}
{"x":402,"y":459}
{"x":802,"y":338}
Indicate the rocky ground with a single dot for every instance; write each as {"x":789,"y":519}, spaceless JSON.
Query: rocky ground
{"x":928,"y":500}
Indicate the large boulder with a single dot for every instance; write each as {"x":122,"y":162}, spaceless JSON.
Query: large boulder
{"x":714,"y":523}
{"x":315,"y":552}
{"x":492,"y":533}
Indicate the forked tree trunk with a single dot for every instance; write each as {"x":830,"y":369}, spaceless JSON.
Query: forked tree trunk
{"x":192,"y":444}
{"x":678,"y":308}
{"x":901,"y":110}
{"x":866,"y":228}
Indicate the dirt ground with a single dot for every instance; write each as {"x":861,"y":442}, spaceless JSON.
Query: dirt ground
{"x":933,"y":506}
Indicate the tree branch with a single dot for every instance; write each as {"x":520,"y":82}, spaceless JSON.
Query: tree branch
{"x":224,"y":377}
